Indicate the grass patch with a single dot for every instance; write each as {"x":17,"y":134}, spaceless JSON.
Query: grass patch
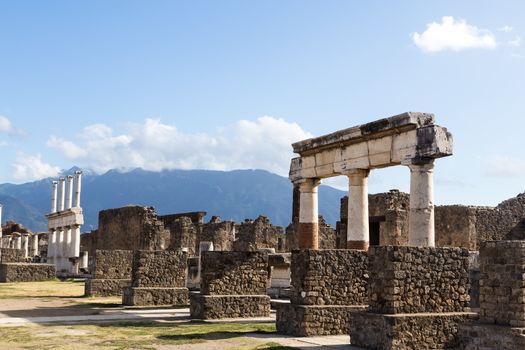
{"x":135,"y":335}
{"x":51,"y":288}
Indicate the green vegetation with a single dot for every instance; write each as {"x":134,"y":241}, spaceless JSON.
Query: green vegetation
{"x":137,"y":335}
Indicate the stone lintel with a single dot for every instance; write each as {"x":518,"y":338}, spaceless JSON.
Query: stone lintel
{"x":404,"y":121}
{"x":69,"y":217}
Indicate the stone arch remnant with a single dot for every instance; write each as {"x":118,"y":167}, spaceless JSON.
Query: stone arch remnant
{"x":411,"y":139}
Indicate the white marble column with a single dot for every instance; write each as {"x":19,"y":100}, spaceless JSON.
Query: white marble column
{"x":51,"y":246}
{"x":61,"y":193}
{"x":67,"y":242}
{"x":25,"y":244}
{"x":308,"y":226}
{"x":59,"y":252}
{"x":78,"y":180}
{"x":54,"y":197}
{"x":69,"y":197}
{"x":34,"y":246}
{"x":357,"y":234}
{"x":204,"y":246}
{"x":74,"y":251}
{"x":421,"y":218}
{"x":17,"y":241}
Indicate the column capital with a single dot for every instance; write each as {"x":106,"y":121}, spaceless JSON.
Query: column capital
{"x":309,"y":183}
{"x":354,"y":172}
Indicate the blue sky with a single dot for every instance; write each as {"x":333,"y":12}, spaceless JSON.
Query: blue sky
{"x":230,"y":84}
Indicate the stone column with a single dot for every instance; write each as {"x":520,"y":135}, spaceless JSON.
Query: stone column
{"x":51,"y":246}
{"x":69,"y":198}
{"x":357,"y":233}
{"x":54,"y":197}
{"x":78,"y":176}
{"x":61,"y":193}
{"x":203,"y":247}
{"x":59,"y":249}
{"x":25,"y":244}
{"x":74,"y":251}
{"x":34,"y":246}
{"x":17,"y":241}
{"x":421,"y":217}
{"x":67,"y":242}
{"x":308,"y":226}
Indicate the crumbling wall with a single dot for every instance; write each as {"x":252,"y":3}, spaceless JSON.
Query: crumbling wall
{"x":405,"y":280}
{"x":221,"y":233}
{"x":159,"y":268}
{"x":26,"y":272}
{"x":455,"y":226}
{"x":184,"y":234}
{"x":111,"y":271}
{"x":329,"y":277}
{"x":227,"y":273}
{"x":131,"y":228}
{"x":8,"y":255}
{"x":258,"y":234}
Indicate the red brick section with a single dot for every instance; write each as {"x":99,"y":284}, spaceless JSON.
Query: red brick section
{"x":308,"y":235}
{"x":361,"y":245}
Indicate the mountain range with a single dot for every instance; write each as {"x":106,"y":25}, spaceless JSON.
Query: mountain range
{"x":235,"y":195}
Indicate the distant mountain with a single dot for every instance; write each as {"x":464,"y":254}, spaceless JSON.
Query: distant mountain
{"x":236,"y":195}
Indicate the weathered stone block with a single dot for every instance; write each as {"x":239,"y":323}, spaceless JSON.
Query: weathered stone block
{"x":502,"y":283}
{"x":228,"y":306}
{"x":406,"y":331}
{"x":105,"y":287}
{"x":313,"y":320}
{"x":329,"y":277}
{"x":477,"y":336}
{"x":25,"y":272}
{"x":8,"y":255}
{"x":145,"y":296}
{"x":159,"y":268}
{"x":234,"y":273}
{"x":418,"y":279}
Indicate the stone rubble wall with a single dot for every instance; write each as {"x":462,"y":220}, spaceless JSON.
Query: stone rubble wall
{"x":184,"y":234}
{"x":221,"y":233}
{"x":145,"y":296}
{"x":112,"y":264}
{"x":228,"y":306}
{"x":328,"y":238}
{"x":159,"y":268}
{"x":502,"y":283}
{"x":418,"y":279}
{"x":258,"y":234}
{"x":329,"y":277}
{"x":26,"y":272}
{"x":419,"y":331}
{"x":9,"y":255}
{"x":239,"y":273}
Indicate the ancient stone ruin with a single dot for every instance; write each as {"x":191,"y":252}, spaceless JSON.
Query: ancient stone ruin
{"x":233,"y":284}
{"x":64,"y":225}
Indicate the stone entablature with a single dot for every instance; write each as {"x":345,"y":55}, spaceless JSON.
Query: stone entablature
{"x":410,"y":139}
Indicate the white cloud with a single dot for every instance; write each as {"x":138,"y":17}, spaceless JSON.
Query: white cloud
{"x":455,"y":35}
{"x":506,"y":29}
{"x":263,"y":144}
{"x":29,"y":167}
{"x":516,"y":42}
{"x":5,"y":125}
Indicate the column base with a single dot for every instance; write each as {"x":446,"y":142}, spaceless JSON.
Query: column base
{"x":407,"y":331}
{"x":228,"y":306}
{"x":359,"y":245}
{"x":314,"y":320}
{"x":308,"y":235}
{"x":145,"y":296}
